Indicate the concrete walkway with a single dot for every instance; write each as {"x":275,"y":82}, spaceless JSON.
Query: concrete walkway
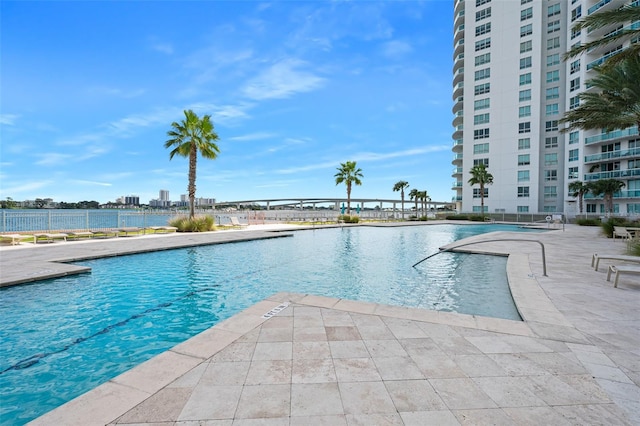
{"x":303,"y":359}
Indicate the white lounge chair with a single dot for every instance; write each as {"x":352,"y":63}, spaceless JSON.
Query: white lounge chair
{"x":635,"y":270}
{"x":236,"y":222}
{"x":81,"y":234}
{"x":595,"y":260}
{"x":621,"y":231}
{"x":15,"y":238}
{"x":162,"y":229}
{"x":49,"y":237}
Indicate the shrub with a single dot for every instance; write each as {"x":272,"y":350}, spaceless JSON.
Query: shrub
{"x":476,"y":218}
{"x":607,"y":227}
{"x":634,"y":248}
{"x":349,"y":219}
{"x":588,"y":222}
{"x":198,"y":224}
{"x":457,"y":217}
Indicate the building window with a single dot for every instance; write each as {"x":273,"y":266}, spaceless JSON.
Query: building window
{"x":526,"y":46}
{"x":525,"y":95}
{"x":551,"y":126}
{"x":574,"y":102}
{"x":524,"y":111}
{"x":524,"y":127}
{"x":523,"y":209}
{"x":481,"y":2}
{"x":524,"y":143}
{"x":525,"y":62}
{"x":550,"y":192}
{"x":575,"y":33}
{"x":553,"y":76}
{"x":481,"y":148}
{"x":574,"y":84}
{"x":481,"y":118}
{"x":523,"y":175}
{"x":482,"y":88}
{"x":483,"y":59}
{"x":483,"y":44}
{"x":573,"y":173}
{"x":526,"y":14}
{"x":576,"y":13}
{"x":551,"y":142}
{"x":575,"y":66}
{"x":482,"y":14}
{"x":525,"y":79}
{"x":479,"y":161}
{"x":552,"y":109}
{"x":525,"y":1}
{"x":526,"y":30}
{"x":481,"y":104}
{"x":482,"y":74}
{"x":551,"y":159}
{"x":553,"y":59}
{"x":476,"y":192}
{"x":574,"y":154}
{"x":550,"y":175}
{"x":552,"y":26}
{"x":523,"y":192}
{"x":553,"y":92}
{"x":553,"y":43}
{"x":481,"y":134}
{"x":483,"y":29}
{"x":553,"y":10}
{"x":591,"y":208}
{"x":574,"y":137}
{"x":524,"y":160}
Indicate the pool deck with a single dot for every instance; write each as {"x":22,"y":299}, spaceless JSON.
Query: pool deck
{"x":296,"y":359}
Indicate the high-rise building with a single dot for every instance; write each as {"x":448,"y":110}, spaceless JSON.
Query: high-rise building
{"x":164,"y":195}
{"x":511,"y":86}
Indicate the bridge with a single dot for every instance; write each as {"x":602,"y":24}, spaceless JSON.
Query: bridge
{"x":300,"y":203}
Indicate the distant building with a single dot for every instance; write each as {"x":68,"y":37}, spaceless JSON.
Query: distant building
{"x":163,"y":201}
{"x":132,"y":200}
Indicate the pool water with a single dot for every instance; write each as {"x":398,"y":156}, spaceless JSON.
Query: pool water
{"x":60,"y":338}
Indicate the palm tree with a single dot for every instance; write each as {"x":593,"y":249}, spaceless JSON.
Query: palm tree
{"x":480,"y":176}
{"x":188,"y":137}
{"x":423,"y":199}
{"x":400,"y":186}
{"x":578,"y":189}
{"x":415,"y":195}
{"x":349,"y":174}
{"x":606,"y":187}
{"x":616,"y":105}
{"x":594,"y":21}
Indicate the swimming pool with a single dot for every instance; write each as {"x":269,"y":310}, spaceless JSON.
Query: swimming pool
{"x":60,"y":338}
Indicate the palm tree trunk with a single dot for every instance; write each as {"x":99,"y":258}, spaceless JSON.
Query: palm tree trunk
{"x":349,"y":199}
{"x":482,"y":201}
{"x":193,"y":158}
{"x":402,"y":197}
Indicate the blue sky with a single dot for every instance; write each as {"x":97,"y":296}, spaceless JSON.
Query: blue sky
{"x":294,"y":88}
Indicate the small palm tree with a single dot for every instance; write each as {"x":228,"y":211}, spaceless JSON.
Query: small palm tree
{"x":606,"y":187}
{"x":415,"y":195}
{"x":616,"y":105}
{"x":480,"y":176}
{"x":423,"y":200}
{"x":349,"y":174}
{"x":400,"y":186}
{"x":189,"y":137}
{"x":594,"y":21}
{"x":578,"y":189}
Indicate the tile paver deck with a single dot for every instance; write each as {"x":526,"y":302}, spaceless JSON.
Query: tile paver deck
{"x":574,"y":360}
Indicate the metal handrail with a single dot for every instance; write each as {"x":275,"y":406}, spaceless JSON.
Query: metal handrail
{"x":544,"y":258}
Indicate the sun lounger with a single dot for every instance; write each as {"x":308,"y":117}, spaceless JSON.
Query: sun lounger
{"x":595,"y":260}
{"x":236,"y":222}
{"x":635,"y":270}
{"x":15,"y":238}
{"x":162,"y":229}
{"x":621,"y":231}
{"x":81,"y":234}
{"x":132,"y":230}
{"x":49,"y":237}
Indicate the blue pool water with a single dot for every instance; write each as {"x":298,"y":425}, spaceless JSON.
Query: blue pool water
{"x":60,"y":338}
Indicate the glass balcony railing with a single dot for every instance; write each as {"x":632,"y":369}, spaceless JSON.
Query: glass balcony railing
{"x":597,"y":6}
{"x":612,"y":174}
{"x":620,"y":194}
{"x":632,"y":131}
{"x":612,"y":154}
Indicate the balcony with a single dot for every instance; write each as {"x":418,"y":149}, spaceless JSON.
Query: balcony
{"x":457,"y":145}
{"x":614,"y":174}
{"x":456,"y":184}
{"x":611,"y":155}
{"x":620,"y":194}
{"x":609,"y":136}
{"x":597,"y":6}
{"x":456,"y":171}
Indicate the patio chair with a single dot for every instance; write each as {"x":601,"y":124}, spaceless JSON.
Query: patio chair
{"x":621,"y":270}
{"x":15,"y":239}
{"x":595,"y":260}
{"x":621,"y":231}
{"x":236,"y":222}
{"x":49,"y":237}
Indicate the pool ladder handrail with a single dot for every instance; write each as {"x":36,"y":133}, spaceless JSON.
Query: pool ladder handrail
{"x":544,"y":258}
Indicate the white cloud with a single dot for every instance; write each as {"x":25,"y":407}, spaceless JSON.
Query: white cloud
{"x":283,"y":80}
{"x":115,"y":92}
{"x":8,"y":119}
{"x":252,"y":137}
{"x":163,"y":48}
{"x":89,"y":182}
{"x":396,"y":49}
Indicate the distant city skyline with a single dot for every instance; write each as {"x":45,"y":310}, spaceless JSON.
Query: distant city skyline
{"x":294,"y":89}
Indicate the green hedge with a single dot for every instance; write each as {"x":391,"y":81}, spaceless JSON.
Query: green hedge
{"x":349,"y":219}
{"x":198,"y":224}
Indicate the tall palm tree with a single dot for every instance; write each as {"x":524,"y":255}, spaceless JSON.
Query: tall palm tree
{"x":480,"y":176}
{"x":578,"y":189}
{"x":423,"y":200}
{"x":349,"y":174}
{"x":189,"y":137}
{"x":415,"y":195}
{"x":628,"y":14}
{"x":616,"y":105}
{"x":606,"y":187}
{"x":400,"y":186}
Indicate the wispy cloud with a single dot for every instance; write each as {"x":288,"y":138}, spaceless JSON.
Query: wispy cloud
{"x":8,"y":119}
{"x":115,"y":92}
{"x":252,"y":137}
{"x":90,"y":182}
{"x":396,"y":49}
{"x":283,"y":80}
{"x":163,"y":48}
